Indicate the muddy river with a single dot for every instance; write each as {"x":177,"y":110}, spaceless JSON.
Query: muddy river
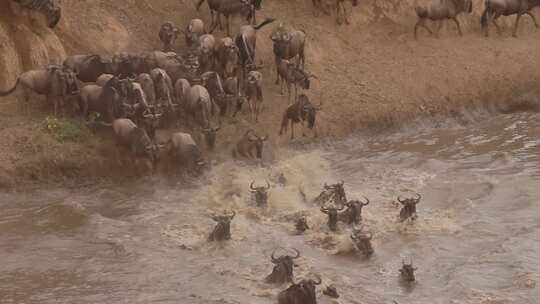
{"x":476,"y":239}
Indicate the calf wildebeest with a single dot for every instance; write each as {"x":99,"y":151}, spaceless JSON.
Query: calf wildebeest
{"x":185,"y":152}
{"x":261,"y":193}
{"x":52,"y":12}
{"x":333,"y":215}
{"x":409,"y":207}
{"x":362,"y":241}
{"x":289,"y":74}
{"x":440,"y":10}
{"x":288,"y":45}
{"x":168,"y":33}
{"x":331,"y":291}
{"x":222,"y":230}
{"x":301,"y":225}
{"x":246,"y":40}
{"x":335,"y":192}
{"x":89,"y":67}
{"x":199,"y":107}
{"x":299,"y":112}
{"x":194,"y":30}
{"x":55,"y":82}
{"x":353,"y":213}
{"x":283,"y":268}
{"x":407,"y":272}
{"x":250,"y":146}
{"x":340,"y":9}
{"x":496,"y":8}
{"x":302,"y":292}
{"x":227,"y":58}
{"x":254,"y":94}
{"x":207,"y":47}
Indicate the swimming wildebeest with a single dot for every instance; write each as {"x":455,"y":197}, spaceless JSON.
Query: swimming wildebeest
{"x":250,"y":146}
{"x":496,"y":8}
{"x":52,"y":12}
{"x":440,"y":10}
{"x":362,"y":241}
{"x":353,"y":213}
{"x":283,"y":268}
{"x":89,"y":67}
{"x":55,"y":82}
{"x":333,"y":215}
{"x":185,"y":152}
{"x":409,"y":207}
{"x":261,"y":193}
{"x":199,"y":105}
{"x":407,"y":272}
{"x":340,"y":8}
{"x":302,"y":292}
{"x":289,"y":74}
{"x":331,"y":291}
{"x":299,"y":112}
{"x":335,"y":192}
{"x":301,"y":225}
{"x":222,"y":230}
{"x":288,"y":45}
{"x":254,"y":94}
{"x":246,"y":41}
{"x":168,"y":33}
{"x":194,"y":30}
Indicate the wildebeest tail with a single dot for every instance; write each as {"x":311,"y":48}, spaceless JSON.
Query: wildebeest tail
{"x":421,"y":12}
{"x":265,"y":22}
{"x":5,"y":93}
{"x":484,"y":18}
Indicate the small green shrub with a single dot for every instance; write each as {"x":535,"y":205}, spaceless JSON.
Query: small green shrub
{"x":68,"y":130}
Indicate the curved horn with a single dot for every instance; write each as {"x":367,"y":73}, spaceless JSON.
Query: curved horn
{"x":418,"y":197}
{"x":251,"y":186}
{"x":319,"y":282}
{"x":324,"y":210}
{"x":354,"y":237}
{"x":402,"y":201}
{"x":297,"y":254}
{"x":366,"y":203}
{"x":233,"y":215}
{"x":342,"y":207}
{"x":273,"y":257}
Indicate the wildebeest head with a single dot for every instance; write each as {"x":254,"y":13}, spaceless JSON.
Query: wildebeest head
{"x":333,"y":215}
{"x":301,"y":292}
{"x":283,"y":268}
{"x":409,"y":207}
{"x":258,"y":142}
{"x":54,"y":13}
{"x":210,"y":135}
{"x":232,"y":59}
{"x":222,"y":230}
{"x":354,"y":211}
{"x":362,"y":241}
{"x":301,"y":224}
{"x":407,"y":272}
{"x":337,"y":191}
{"x":168,"y":34}
{"x":261,"y":193}
{"x":64,"y":79}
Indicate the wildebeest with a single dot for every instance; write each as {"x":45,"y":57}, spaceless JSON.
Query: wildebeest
{"x":222,"y":230}
{"x":213,"y":6}
{"x":299,"y":112}
{"x":185,"y":152}
{"x":353,"y":213}
{"x":233,"y":100}
{"x":440,"y":10}
{"x":246,"y":40}
{"x":301,"y":225}
{"x":147,"y":85}
{"x":194,"y":30}
{"x":407,"y":272}
{"x":228,"y":8}
{"x":496,"y":8}
{"x":340,"y":9}
{"x":207,"y":47}
{"x":254,"y":94}
{"x":52,"y":12}
{"x":250,"y":146}
{"x":128,"y":65}
{"x":333,"y":215}
{"x":213,"y":83}
{"x":168,"y":33}
{"x":331,"y":291}
{"x":135,"y":139}
{"x":302,"y":292}
{"x":164,"y":87}
{"x":55,"y":82}
{"x":199,"y":107}
{"x":181,"y":89}
{"x":409,"y":207}
{"x":283,"y":268}
{"x":261,"y":193}
{"x":335,"y":193}
{"x":289,"y":74}
{"x":103,"y":100}
{"x":288,"y":45}
{"x":362,"y":241}
{"x":227,"y":58}
{"x":89,"y":67}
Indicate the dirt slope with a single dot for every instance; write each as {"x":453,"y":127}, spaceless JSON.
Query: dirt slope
{"x":372,"y":74}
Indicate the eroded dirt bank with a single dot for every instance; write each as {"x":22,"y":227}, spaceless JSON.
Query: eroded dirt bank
{"x":373,"y":75}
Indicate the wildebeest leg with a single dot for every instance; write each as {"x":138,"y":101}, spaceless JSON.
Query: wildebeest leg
{"x":534,"y":19}
{"x":344,"y":13}
{"x":458,"y":27}
{"x":422,"y":23}
{"x":292,"y":129}
{"x":228,"y":28}
{"x":494,"y":21}
{"x":338,"y":19}
{"x":438,"y":30}
{"x":516,"y":25}
{"x":277,"y":69}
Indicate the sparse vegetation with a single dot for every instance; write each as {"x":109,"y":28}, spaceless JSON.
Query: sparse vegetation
{"x":68,"y":130}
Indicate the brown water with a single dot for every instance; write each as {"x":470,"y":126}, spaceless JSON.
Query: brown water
{"x":476,"y":240}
